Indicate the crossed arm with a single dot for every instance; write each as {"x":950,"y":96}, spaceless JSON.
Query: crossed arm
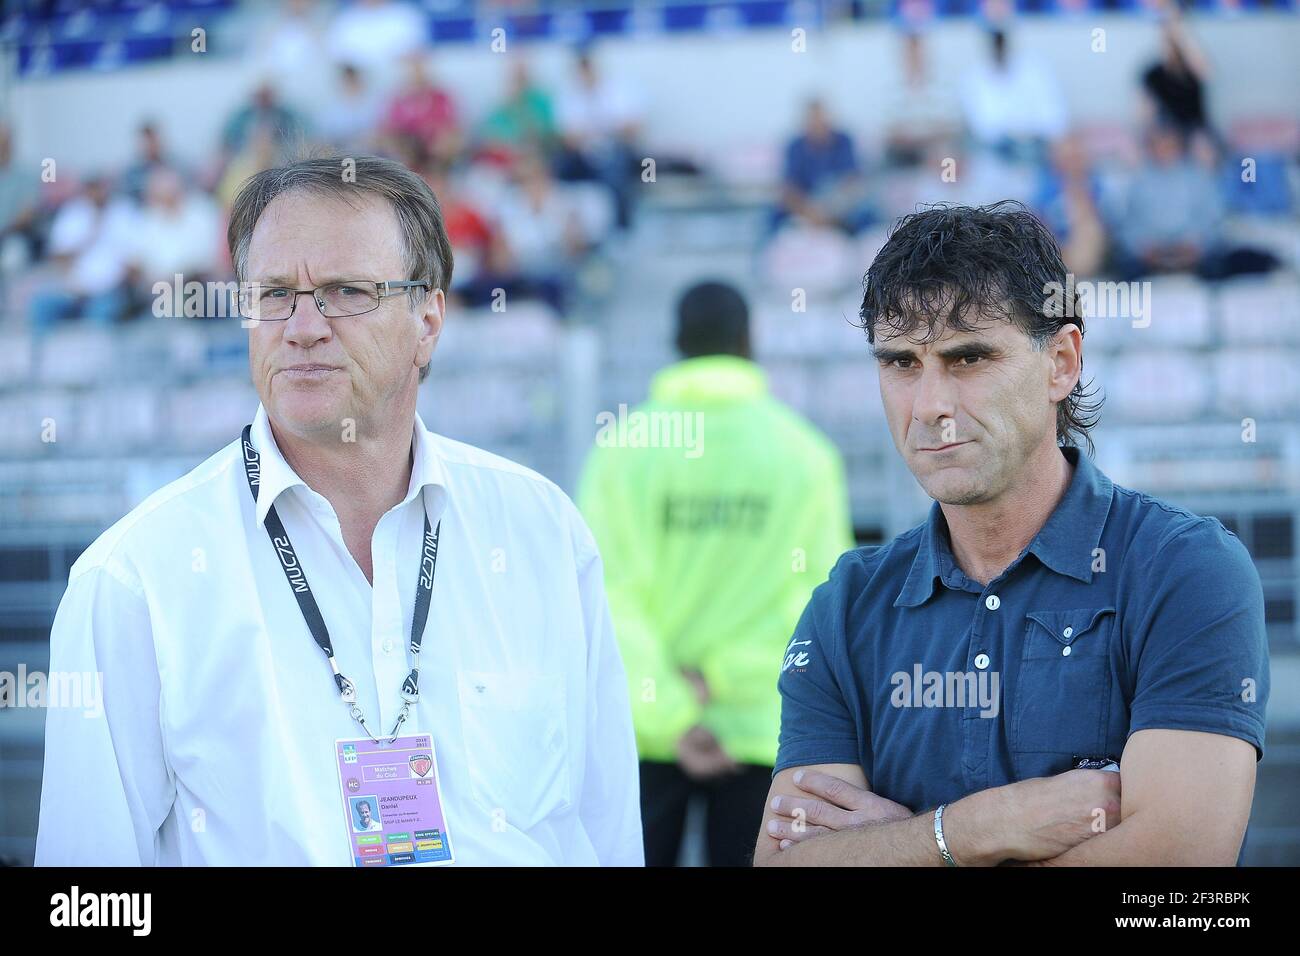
{"x":1185,"y":801}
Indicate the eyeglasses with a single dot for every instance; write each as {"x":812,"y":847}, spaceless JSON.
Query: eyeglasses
{"x":269,"y":303}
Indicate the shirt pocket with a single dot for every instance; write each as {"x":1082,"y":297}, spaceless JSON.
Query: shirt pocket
{"x":514,"y":727}
{"x":1063,"y":691}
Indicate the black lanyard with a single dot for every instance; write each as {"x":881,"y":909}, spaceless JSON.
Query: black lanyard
{"x":311,"y":612}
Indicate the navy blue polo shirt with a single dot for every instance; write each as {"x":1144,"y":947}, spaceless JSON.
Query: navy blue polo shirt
{"x":1124,"y":613}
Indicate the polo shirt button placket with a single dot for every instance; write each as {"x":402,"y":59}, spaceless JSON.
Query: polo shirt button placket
{"x":976,"y":731}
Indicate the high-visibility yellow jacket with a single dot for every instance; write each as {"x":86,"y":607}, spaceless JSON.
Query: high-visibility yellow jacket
{"x":717,"y":510}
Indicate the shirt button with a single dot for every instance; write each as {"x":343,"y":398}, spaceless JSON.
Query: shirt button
{"x":1065,"y":651}
{"x":1068,"y":631}
{"x":388,"y":646}
{"x":993,"y":602}
{"x":982,"y":661}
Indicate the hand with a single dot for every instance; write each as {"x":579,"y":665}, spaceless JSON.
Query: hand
{"x":1049,"y":815}
{"x":833,"y":804}
{"x":700,"y":755}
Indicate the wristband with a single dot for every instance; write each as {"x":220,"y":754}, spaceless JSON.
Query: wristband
{"x":938,"y":835}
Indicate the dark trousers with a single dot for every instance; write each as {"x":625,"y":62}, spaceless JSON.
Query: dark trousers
{"x":733,"y":812}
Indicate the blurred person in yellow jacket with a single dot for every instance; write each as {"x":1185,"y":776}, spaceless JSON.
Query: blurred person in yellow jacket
{"x":717,"y":510}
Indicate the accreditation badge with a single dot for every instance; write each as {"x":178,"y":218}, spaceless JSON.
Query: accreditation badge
{"x":392,"y":802}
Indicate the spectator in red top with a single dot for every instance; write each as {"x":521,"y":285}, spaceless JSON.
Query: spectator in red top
{"x":476,"y":244}
{"x":424,"y":112}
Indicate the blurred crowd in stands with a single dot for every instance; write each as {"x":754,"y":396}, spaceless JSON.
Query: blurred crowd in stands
{"x":1122,"y":202}
{"x":527,"y":192}
{"x":548,"y":176}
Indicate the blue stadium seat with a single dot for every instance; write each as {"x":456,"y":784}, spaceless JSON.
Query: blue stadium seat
{"x":1270,"y":192}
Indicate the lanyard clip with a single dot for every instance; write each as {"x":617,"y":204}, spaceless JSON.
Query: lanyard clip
{"x":347,"y":690}
{"x":411,"y":686}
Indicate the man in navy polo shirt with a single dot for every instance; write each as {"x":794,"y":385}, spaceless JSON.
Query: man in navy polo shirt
{"x":940,"y":690}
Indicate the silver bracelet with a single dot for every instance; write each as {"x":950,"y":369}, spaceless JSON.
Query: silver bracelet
{"x":938,"y":835}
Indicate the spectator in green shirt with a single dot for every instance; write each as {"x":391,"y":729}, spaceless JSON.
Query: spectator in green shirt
{"x":523,"y":121}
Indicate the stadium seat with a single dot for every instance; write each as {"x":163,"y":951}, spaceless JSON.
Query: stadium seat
{"x":1256,"y":311}
{"x":1257,"y":383}
{"x":1157,"y":387}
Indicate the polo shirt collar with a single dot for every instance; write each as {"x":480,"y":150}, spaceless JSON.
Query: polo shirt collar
{"x":1066,"y":542}
{"x":277,"y":476}
{"x":933,"y":556}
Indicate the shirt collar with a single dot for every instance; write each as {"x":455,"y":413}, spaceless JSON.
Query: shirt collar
{"x":278,"y":476}
{"x":1066,"y":543}
{"x":709,"y":379}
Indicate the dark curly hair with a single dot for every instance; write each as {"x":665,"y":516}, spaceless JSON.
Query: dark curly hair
{"x":955,"y":267}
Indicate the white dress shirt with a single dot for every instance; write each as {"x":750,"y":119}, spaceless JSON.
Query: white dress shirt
{"x":100,"y":242}
{"x":1022,"y":99}
{"x":216,"y":740}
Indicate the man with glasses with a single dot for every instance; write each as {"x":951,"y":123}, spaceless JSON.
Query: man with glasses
{"x":339,"y":527}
